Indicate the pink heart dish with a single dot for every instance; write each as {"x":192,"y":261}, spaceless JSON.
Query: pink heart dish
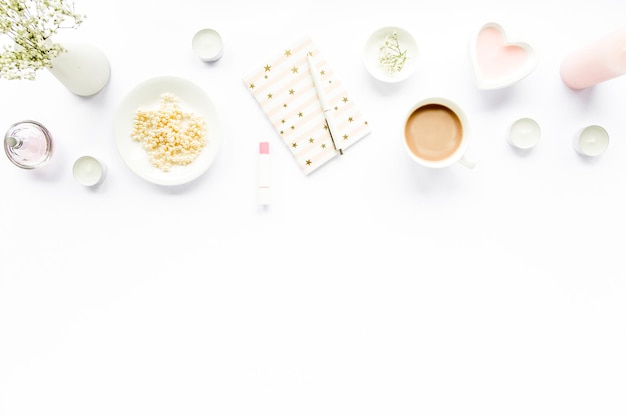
{"x":498,"y":62}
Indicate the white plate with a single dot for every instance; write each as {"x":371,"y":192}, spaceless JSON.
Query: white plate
{"x":147,"y":96}
{"x":372,"y":51}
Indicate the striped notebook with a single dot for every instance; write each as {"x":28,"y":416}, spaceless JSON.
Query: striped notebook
{"x":284,"y":89}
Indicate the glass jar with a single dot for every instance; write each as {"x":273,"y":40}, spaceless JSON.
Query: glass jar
{"x":28,"y":144}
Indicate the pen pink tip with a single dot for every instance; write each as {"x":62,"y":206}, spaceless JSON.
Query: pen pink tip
{"x":264,"y":147}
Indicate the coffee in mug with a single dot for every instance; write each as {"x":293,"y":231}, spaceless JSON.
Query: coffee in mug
{"x":434,"y":133}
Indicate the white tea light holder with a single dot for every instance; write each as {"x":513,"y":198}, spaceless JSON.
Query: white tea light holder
{"x":591,"y":141}
{"x":207,"y":45}
{"x":89,"y":171}
{"x":524,"y":133}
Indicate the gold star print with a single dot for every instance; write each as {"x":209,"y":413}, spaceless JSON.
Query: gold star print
{"x":293,"y":127}
{"x":300,"y":114}
{"x":323,"y":146}
{"x":292,"y":92}
{"x":288,"y":52}
{"x":282,"y":121}
{"x":294,"y":145}
{"x":285,"y":105}
{"x":252,"y":86}
{"x":270,"y":95}
{"x":308,"y":162}
{"x":309,"y":53}
{"x":294,"y":70}
{"x":345,"y":99}
{"x":345,"y":137}
{"x":282,"y":132}
{"x":268,"y":68}
{"x":336,"y":108}
{"x":350,"y":119}
{"x":311,"y":140}
{"x":322,"y":72}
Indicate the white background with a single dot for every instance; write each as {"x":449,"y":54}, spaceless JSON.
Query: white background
{"x":372,"y":287}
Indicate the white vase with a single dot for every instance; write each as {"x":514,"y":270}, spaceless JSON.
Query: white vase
{"x":82,"y":68}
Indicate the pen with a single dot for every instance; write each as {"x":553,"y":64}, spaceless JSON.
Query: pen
{"x":325,"y":106}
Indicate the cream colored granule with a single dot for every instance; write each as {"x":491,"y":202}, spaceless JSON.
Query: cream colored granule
{"x":169,"y":135}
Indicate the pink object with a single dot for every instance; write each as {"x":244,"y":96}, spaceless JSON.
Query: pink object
{"x":264,"y":174}
{"x":596,"y":62}
{"x":498,"y":62}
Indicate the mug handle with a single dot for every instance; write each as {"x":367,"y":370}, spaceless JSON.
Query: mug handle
{"x":466,"y":162}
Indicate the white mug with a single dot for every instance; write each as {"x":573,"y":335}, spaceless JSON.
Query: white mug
{"x":436,"y":133}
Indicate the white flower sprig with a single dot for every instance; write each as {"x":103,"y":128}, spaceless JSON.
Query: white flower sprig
{"x":391,"y":56}
{"x":30,"y":24}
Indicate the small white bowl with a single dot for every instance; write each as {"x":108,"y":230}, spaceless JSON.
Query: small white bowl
{"x":498,"y":62}
{"x":371,"y":54}
{"x":207,"y":45}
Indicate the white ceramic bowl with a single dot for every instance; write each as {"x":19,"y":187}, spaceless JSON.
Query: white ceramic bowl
{"x":496,"y":61}
{"x":371,"y":54}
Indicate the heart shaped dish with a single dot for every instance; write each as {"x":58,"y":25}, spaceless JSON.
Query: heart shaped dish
{"x":498,"y":62}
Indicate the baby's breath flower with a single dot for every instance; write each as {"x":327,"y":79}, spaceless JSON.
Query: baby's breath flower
{"x":30,"y":24}
{"x":391,"y":56}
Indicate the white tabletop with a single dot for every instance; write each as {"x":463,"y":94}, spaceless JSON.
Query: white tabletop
{"x":370,"y":287}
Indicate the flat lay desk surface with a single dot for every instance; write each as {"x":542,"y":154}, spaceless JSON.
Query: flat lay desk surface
{"x":372,"y":286}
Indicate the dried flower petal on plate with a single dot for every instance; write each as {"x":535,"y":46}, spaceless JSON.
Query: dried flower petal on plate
{"x":170,"y":135}
{"x":392,"y":57}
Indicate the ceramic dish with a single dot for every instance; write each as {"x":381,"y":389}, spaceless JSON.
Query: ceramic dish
{"x":372,"y":52}
{"x":496,"y":61}
{"x":147,"y":96}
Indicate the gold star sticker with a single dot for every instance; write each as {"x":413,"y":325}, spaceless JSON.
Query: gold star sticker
{"x":300,"y":114}
{"x":294,"y":145}
{"x":350,"y":119}
{"x":252,"y":86}
{"x":294,"y":70}
{"x":268,"y":68}
{"x":308,"y":162}
{"x":292,"y":92}
{"x":287,"y":52}
{"x":345,"y":99}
